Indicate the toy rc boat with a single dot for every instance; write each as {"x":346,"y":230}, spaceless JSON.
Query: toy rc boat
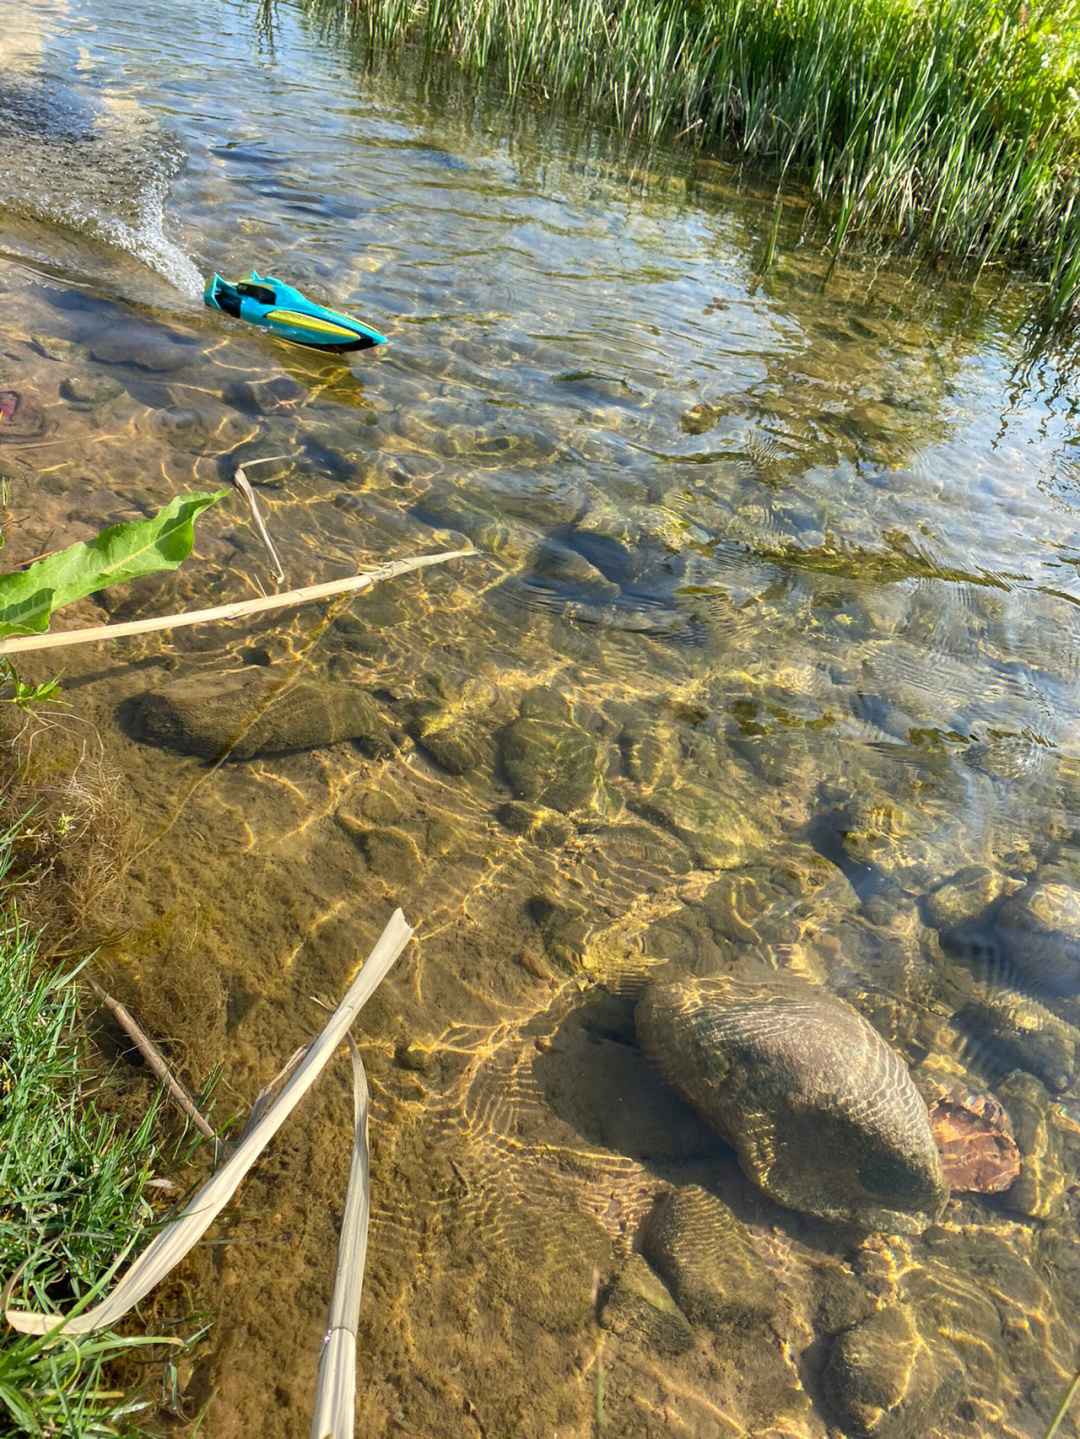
{"x":278,"y":307}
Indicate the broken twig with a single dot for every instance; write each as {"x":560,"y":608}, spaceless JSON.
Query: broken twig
{"x":177,"y":1238}
{"x":157,"y":1062}
{"x":243,"y":484}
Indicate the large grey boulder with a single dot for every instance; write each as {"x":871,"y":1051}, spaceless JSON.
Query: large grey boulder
{"x":822,"y":1113}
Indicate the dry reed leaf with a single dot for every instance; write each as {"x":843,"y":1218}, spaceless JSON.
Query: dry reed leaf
{"x":184,"y":1232}
{"x":335,"y":1392}
{"x":238,"y":609}
{"x":243,"y":484}
{"x":265,"y":1095}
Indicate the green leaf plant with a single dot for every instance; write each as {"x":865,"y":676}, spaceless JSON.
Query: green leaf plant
{"x":29,"y":598}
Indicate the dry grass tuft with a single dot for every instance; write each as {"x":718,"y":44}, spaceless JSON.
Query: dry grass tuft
{"x":77,"y":831}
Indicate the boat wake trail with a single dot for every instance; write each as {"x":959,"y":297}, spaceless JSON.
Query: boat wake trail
{"x":100,"y":168}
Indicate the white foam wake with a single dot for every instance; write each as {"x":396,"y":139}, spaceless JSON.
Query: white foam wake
{"x":147,"y":240}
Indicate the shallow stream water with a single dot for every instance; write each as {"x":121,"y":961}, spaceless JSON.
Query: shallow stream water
{"x":767,"y":652}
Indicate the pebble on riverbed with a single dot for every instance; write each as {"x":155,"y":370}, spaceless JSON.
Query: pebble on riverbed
{"x":963,"y":896}
{"x":90,"y":392}
{"x":699,"y":418}
{"x":639,"y":1307}
{"x":720,"y":1283}
{"x":547,"y":757}
{"x":974,"y":1138}
{"x":456,"y":740}
{"x":717,"y":829}
{"x":706,"y":1258}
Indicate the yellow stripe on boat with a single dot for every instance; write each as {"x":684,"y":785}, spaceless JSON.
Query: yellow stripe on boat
{"x":312,"y":324}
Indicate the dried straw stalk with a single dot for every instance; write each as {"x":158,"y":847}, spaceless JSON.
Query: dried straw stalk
{"x":243,"y":484}
{"x":335,"y":1392}
{"x":184,"y":1232}
{"x":238,"y":609}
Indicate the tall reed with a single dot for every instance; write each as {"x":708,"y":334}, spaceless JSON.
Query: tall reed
{"x":950,"y":128}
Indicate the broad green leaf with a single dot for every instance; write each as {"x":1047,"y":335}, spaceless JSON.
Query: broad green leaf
{"x":138,"y":547}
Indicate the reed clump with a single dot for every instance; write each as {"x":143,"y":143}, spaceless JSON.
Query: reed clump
{"x":947,"y":129}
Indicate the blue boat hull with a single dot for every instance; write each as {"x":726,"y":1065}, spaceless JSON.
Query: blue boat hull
{"x":264,"y":301}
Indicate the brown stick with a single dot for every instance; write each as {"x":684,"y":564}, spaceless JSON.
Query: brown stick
{"x":14,"y":643}
{"x":156,"y":1060}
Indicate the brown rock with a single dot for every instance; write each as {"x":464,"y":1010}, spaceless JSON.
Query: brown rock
{"x":883,"y":1380}
{"x":242,"y":715}
{"x":822,"y":1113}
{"x":974,"y":1138}
{"x":20,"y":418}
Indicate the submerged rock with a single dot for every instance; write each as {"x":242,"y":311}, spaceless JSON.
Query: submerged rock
{"x":390,"y":852}
{"x":457,"y":746}
{"x":974,"y":1138}
{"x":258,"y":714}
{"x":699,"y":418}
{"x":963,"y":896}
{"x":547,"y":757}
{"x":1026,"y":1034}
{"x":90,"y":391}
{"x":1041,"y":927}
{"x":20,"y":418}
{"x":883,"y":1381}
{"x":708,"y":1262}
{"x":565,"y":929}
{"x":822,"y":1113}
{"x":150,"y":347}
{"x":437,"y":719}
{"x":716,"y":828}
{"x":648,"y":752}
{"x":639,"y":1307}
{"x":1039,"y":1192}
{"x":546,"y":828}
{"x":265,"y":395}
{"x":908,"y":845}
{"x":720,"y":1282}
{"x":777,"y":911}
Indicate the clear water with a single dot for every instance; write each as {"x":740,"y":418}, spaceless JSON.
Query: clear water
{"x":795,"y":563}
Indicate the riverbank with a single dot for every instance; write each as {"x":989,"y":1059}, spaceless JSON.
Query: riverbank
{"x":950,"y":132}
{"x":84,"y":1143}
{"x":72,"y":1196}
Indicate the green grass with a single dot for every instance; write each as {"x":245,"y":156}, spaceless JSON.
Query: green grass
{"x":71,"y":1199}
{"x":946,"y":129}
